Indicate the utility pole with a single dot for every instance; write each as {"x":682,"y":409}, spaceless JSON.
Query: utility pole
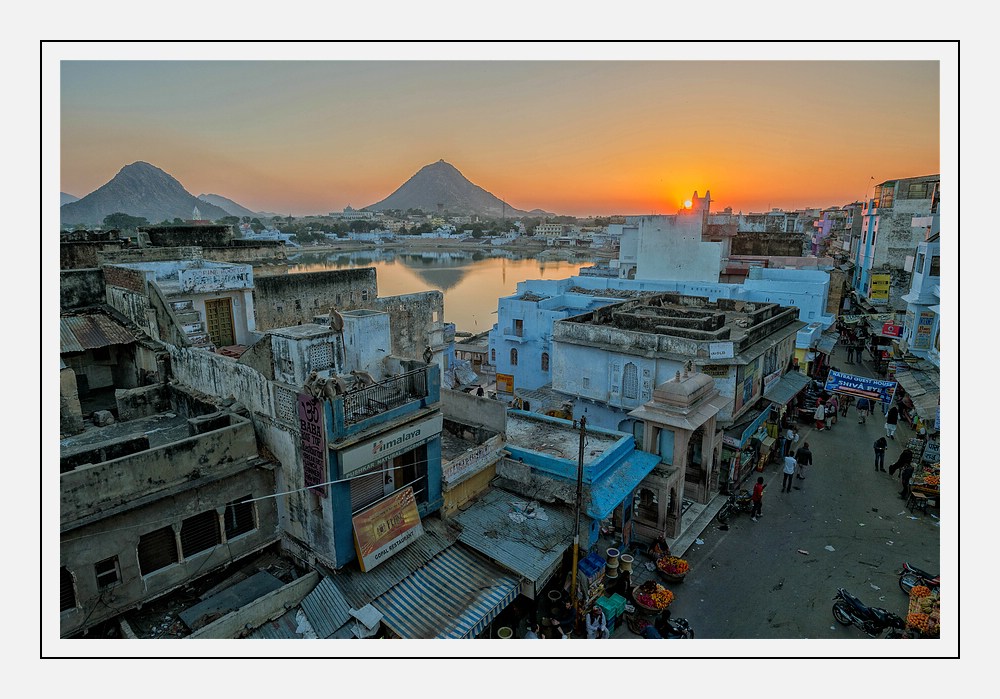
{"x":576,"y":529}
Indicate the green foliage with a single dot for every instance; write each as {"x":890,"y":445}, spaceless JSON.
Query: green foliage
{"x":123,"y":222}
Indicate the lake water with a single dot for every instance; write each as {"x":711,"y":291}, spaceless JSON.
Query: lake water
{"x":471,"y":281}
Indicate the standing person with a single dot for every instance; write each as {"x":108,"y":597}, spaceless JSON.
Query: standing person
{"x":859,"y":350}
{"x":791,"y":439}
{"x":832,"y":409}
{"x":880,"y":446}
{"x":786,"y":474}
{"x":757,"y":497}
{"x":905,"y":459}
{"x":803,"y":458}
{"x":891,"y":418}
{"x":850,"y":350}
{"x":864,"y":408}
{"x":597,"y":625}
{"x":567,"y":619}
{"x":820,"y":416}
{"x":904,"y":478}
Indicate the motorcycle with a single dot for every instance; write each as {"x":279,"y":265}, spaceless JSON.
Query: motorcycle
{"x":910,"y":577}
{"x":848,"y":609}
{"x":673,"y":628}
{"x":737,"y":502}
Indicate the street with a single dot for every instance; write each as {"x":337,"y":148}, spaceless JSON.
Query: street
{"x":843,"y":526}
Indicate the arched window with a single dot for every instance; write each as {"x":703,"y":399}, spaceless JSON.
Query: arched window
{"x":493,"y":356}
{"x":513,"y":356}
{"x":630,"y":382}
{"x":545,"y":361}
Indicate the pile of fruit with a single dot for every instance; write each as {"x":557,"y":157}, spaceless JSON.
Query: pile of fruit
{"x":672,"y":565}
{"x":653,"y":595}
{"x":932,"y":480}
{"x":925,"y":611}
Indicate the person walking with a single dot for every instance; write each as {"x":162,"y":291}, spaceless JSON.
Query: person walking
{"x":880,"y":446}
{"x":791,"y":439}
{"x":832,"y":409}
{"x":803,"y":458}
{"x":905,"y":459}
{"x":850,"y":350}
{"x":757,"y":498}
{"x":859,"y":350}
{"x":786,"y":474}
{"x":864,"y":408}
{"x":820,"y":416}
{"x":891,"y":418}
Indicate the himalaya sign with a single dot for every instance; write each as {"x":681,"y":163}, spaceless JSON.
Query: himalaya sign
{"x":367,"y":457}
{"x":860,"y":386}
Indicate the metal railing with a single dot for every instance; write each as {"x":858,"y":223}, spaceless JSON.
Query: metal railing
{"x":373,"y":400}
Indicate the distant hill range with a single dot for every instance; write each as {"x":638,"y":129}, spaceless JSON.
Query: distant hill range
{"x":139,"y":189}
{"x":440,"y":187}
{"x":66,"y":198}
{"x":228,"y":205}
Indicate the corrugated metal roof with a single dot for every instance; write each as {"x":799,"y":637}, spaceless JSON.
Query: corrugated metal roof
{"x":326,"y":608}
{"x":84,"y":332}
{"x":361,"y":588}
{"x":454,"y":596}
{"x":529,"y":547}
{"x":282,"y":628}
{"x":786,"y":388}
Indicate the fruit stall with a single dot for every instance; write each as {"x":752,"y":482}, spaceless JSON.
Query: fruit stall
{"x":648,"y":600}
{"x":923,"y":618}
{"x":927,"y":481}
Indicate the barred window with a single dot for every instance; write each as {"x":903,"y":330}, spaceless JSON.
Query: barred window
{"x":67,"y":590}
{"x":200,"y":533}
{"x":630,"y":382}
{"x":513,"y":356}
{"x":239,"y":517}
{"x":285,"y":405}
{"x":321,"y":356}
{"x":157,"y":549}
{"x":545,"y":361}
{"x":107,"y":572}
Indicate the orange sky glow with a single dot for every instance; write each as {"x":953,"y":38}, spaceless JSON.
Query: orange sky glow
{"x":577,"y":137}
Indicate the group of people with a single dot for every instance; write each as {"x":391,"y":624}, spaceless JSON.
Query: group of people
{"x":595,"y":622}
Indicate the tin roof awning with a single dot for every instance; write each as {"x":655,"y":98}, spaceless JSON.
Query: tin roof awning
{"x":454,"y":596}
{"x":80,"y":333}
{"x":786,"y":388}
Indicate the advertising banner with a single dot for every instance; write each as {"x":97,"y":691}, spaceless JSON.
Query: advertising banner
{"x":386,"y":527}
{"x":473,"y":460}
{"x":720,"y":350}
{"x":892,"y":330}
{"x":354,"y":461}
{"x":922,"y":336}
{"x":878,"y":292}
{"x":313,"y":436}
{"x":860,"y":386}
{"x":505,"y":383}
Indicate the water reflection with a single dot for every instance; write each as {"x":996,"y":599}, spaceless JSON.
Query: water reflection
{"x":471,"y":281}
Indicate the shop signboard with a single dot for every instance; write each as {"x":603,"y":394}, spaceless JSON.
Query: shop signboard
{"x":878,"y":292}
{"x":860,"y":386}
{"x":750,"y":430}
{"x":716,"y":371}
{"x":771,"y":379}
{"x":922,"y":336}
{"x":892,"y":330}
{"x":473,"y":460}
{"x":720,"y":350}
{"x":354,"y":461}
{"x":313,"y":442}
{"x":386,"y":527}
{"x":505,"y":383}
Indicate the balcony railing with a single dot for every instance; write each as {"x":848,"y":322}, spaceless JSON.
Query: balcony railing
{"x":391,"y":393}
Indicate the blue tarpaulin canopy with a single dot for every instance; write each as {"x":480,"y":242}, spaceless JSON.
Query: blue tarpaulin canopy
{"x":611,"y":489}
{"x":454,"y":596}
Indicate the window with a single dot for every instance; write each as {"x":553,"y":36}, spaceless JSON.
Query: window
{"x":239,"y":517}
{"x":200,"y":533}
{"x":364,"y":294}
{"x":519,"y":328}
{"x":321,"y":356}
{"x":513,"y":356}
{"x":919,"y":268}
{"x":545,"y":361}
{"x":935,"y":266}
{"x":107,"y":572}
{"x":67,"y":591}
{"x":917,"y":190}
{"x":157,"y":549}
{"x":493,"y":356}
{"x":298,"y":305}
{"x":630,"y":381}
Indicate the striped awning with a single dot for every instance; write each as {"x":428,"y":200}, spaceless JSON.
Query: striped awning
{"x":454,"y":596}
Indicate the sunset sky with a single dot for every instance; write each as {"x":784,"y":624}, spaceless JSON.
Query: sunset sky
{"x":578,"y":137}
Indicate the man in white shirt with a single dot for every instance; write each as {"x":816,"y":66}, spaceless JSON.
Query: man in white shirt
{"x":786,"y":474}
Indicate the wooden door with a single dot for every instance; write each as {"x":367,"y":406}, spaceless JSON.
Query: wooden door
{"x":219,"y":321}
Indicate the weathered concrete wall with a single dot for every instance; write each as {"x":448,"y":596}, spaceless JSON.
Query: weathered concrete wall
{"x":142,"y":402}
{"x":70,"y":412}
{"x":248,"y":251}
{"x":257,"y":613}
{"x":290,"y":299}
{"x":217,"y":375}
{"x":80,"y":288}
{"x":472,"y":410}
{"x":85,"y":254}
{"x":768,"y":244}
{"x":92,"y":490}
{"x":456,"y":496}
{"x":416,"y":320}
{"x":118,"y":536}
{"x":132,"y":255}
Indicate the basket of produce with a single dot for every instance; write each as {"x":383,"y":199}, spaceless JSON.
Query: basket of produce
{"x":672,"y":568}
{"x":924,"y":614}
{"x":652,"y":596}
{"x":636,"y":623}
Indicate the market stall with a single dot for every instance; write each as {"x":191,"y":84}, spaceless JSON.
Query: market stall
{"x":923,"y":617}
{"x":649,"y":600}
{"x":925,"y":484}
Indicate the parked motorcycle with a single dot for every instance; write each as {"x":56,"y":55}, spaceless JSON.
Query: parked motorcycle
{"x":848,"y":609}
{"x":737,"y":502}
{"x":910,"y":577}
{"x":673,"y":628}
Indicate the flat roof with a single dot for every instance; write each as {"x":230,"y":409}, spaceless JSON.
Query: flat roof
{"x":556,"y":437}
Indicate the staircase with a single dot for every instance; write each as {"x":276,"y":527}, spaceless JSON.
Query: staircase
{"x":191,"y":323}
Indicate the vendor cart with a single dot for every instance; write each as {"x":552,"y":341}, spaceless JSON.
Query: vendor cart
{"x":923,"y":617}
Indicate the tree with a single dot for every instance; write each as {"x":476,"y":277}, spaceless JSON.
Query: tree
{"x":256,"y":225}
{"x":231,"y":220}
{"x":123,"y":222}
